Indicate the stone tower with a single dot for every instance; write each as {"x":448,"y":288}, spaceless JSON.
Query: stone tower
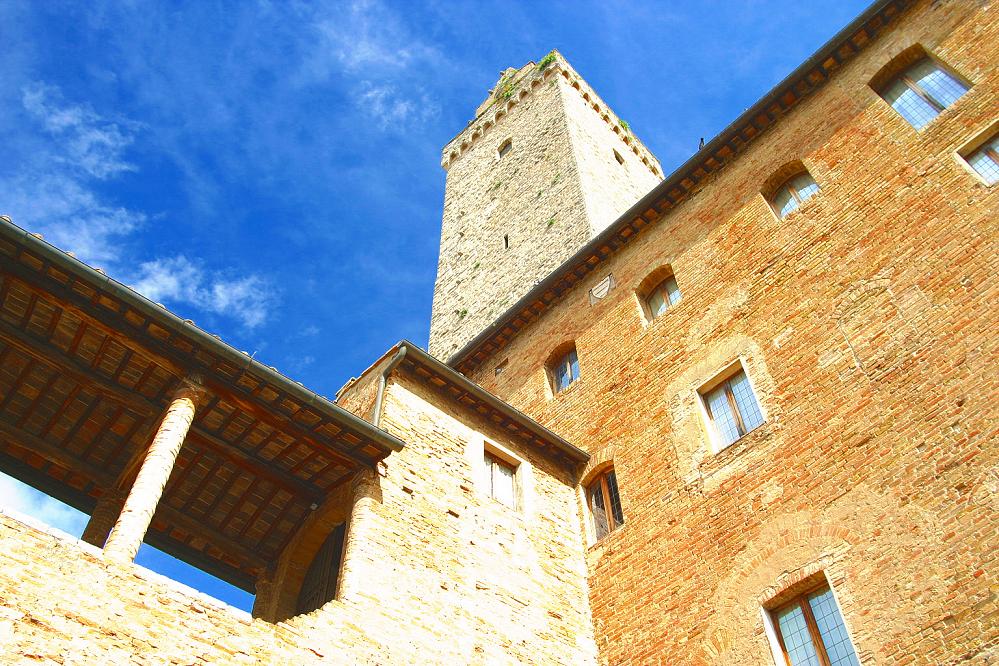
{"x":544,"y":166}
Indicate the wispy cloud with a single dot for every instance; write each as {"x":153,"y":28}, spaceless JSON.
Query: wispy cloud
{"x":249,"y":299}
{"x":56,"y":194}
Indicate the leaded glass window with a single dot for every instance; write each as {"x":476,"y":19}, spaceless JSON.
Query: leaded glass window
{"x":793,"y":193}
{"x":985,"y":161}
{"x":811,"y":632}
{"x":605,"y":504}
{"x":662,"y":296}
{"x":922,"y":91}
{"x":732,"y":408}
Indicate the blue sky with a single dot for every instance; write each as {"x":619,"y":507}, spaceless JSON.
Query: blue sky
{"x":271,"y":170}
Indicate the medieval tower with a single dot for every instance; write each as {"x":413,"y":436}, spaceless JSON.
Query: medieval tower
{"x":544,"y":167}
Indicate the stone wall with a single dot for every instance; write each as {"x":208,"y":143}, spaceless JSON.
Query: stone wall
{"x":866,"y":321}
{"x":434,"y":571}
{"x":508,"y":222}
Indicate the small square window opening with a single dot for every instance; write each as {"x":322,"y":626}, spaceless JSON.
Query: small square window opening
{"x":985,"y":160}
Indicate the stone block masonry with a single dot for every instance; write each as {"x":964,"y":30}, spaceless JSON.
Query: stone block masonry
{"x":510,"y":220}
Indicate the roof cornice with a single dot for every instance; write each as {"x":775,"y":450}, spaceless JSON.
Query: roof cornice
{"x":684,"y":181}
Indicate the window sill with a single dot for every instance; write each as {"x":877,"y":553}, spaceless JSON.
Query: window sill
{"x":719,"y":460}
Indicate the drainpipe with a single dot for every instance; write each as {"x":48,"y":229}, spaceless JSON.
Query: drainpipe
{"x":396,"y":360}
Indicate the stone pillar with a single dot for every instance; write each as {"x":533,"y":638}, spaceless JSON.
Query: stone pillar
{"x":361,"y":562}
{"x":128,"y":532}
{"x":103,"y":517}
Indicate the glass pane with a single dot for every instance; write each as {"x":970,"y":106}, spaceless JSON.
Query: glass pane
{"x":561,"y":375}
{"x":749,"y":409}
{"x":784,"y":203}
{"x":615,"y":498}
{"x":797,"y":641}
{"x":721,"y":416}
{"x":657,"y":303}
{"x":503,"y":485}
{"x":805,"y":186}
{"x":985,"y":165}
{"x":937,"y":83}
{"x":672,"y":290}
{"x":597,"y":510}
{"x":909,"y":105}
{"x":831,"y":629}
{"x":573,"y":366}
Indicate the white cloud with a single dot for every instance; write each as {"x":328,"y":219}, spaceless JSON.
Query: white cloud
{"x":54,"y":194}
{"x":89,"y":142}
{"x":391,"y":108}
{"x":249,"y":299}
{"x":25,"y":499}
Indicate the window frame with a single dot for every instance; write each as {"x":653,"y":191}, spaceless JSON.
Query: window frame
{"x":613,"y":522}
{"x":660,"y":288}
{"x":504,"y":148}
{"x":491,"y":460}
{"x":563,"y":357}
{"x":900,"y":69}
{"x":787,"y":184}
{"x":801,"y":600}
{"x":725,"y":377}
{"x":980,"y":144}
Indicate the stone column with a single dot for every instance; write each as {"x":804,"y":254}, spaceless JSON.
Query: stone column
{"x":128,"y":532}
{"x":103,"y":517}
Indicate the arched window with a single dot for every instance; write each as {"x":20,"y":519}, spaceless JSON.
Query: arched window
{"x":792,"y":193}
{"x":505,"y":147}
{"x":617,"y":156}
{"x":563,"y":367}
{"x":658,"y":292}
{"x":604,"y":503}
{"x":918,"y":86}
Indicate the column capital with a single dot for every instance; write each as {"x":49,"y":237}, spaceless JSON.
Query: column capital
{"x":191,"y":387}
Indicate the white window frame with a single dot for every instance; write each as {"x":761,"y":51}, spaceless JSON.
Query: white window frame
{"x":523,"y":477}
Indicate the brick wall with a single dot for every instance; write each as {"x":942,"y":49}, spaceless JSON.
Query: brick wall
{"x":866,"y":321}
{"x":435,"y":571}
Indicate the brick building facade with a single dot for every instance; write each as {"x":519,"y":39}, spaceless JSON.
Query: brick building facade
{"x":750,"y":416}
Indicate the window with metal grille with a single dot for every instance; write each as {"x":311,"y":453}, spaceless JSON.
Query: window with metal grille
{"x":732,"y":408}
{"x":792,"y":193}
{"x":810,"y":631}
{"x":662,"y":296}
{"x":921,"y":92}
{"x":500,"y":479}
{"x":985,"y":160}
{"x":322,"y":577}
{"x":604,"y":503}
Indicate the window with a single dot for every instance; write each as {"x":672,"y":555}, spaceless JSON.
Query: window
{"x":662,"y":296}
{"x":500,"y":480}
{"x":321,"y":579}
{"x":617,"y":156}
{"x":793,"y":193}
{"x":731,"y":408}
{"x":605,"y":504}
{"x":564,"y":369}
{"x":810,"y":631}
{"x":505,"y":147}
{"x":922,"y":91}
{"x":985,"y":160}
{"x":506,"y":241}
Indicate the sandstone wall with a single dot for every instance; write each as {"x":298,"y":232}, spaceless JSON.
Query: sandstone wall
{"x":866,"y":321}
{"x":435,"y":571}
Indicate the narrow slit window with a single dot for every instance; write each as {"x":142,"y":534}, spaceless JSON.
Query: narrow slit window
{"x":732,"y":409}
{"x":506,"y":241}
{"x":604,"y":503}
{"x":505,"y":147}
{"x":617,"y":156}
{"x":985,"y":160}
{"x":662,"y":297}
{"x":501,"y":480}
{"x":792,"y":193}
{"x":920,"y":93}
{"x":811,"y":632}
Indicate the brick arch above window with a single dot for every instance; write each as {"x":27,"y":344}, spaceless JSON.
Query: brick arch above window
{"x":918,"y":85}
{"x":789,"y":187}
